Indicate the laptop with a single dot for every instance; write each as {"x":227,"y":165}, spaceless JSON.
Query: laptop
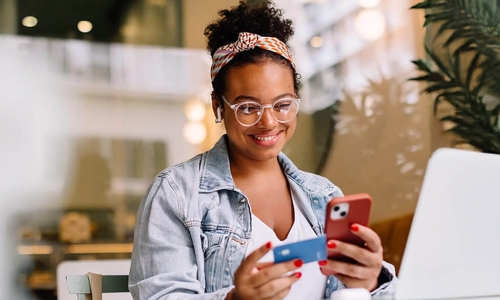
{"x":453,"y":249}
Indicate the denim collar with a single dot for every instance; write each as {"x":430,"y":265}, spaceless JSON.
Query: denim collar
{"x":216,"y":172}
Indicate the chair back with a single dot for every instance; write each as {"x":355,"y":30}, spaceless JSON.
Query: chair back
{"x":72,"y":274}
{"x":80,"y":285}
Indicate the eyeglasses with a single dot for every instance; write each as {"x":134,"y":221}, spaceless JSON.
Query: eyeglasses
{"x":250,"y":112}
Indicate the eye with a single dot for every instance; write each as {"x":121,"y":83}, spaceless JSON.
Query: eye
{"x":283,"y":106}
{"x":248,"y":108}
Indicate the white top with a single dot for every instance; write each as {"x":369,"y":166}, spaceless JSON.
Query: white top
{"x":312,"y":284}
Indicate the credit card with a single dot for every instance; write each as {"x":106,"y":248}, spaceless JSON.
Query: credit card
{"x":306,"y":250}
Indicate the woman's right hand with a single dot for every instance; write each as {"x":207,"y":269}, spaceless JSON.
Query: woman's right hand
{"x":254,"y":281}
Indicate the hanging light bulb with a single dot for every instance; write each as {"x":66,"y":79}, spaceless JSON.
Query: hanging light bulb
{"x":195,"y":111}
{"x":370,"y":24}
{"x":316,"y":42}
{"x":194,"y":132}
{"x":369,"y":3}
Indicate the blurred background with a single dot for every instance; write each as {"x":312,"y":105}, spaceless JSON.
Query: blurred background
{"x":98,"y":96}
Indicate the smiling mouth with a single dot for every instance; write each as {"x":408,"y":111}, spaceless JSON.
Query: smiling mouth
{"x":264,"y":138}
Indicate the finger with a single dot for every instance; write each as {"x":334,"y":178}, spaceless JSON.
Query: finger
{"x":274,"y":287}
{"x":251,"y":261}
{"x":275,"y":271}
{"x":361,"y":255}
{"x":348,"y":269}
{"x":262,"y":265}
{"x":371,"y":238}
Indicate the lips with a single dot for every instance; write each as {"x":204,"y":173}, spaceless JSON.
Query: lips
{"x":266,"y":140}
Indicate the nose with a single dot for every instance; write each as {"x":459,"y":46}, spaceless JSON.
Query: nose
{"x":267,"y":120}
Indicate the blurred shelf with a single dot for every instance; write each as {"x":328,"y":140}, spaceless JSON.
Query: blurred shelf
{"x":98,"y":248}
{"x":90,"y":248}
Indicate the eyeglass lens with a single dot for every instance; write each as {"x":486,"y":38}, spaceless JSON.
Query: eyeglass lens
{"x":283,"y":111}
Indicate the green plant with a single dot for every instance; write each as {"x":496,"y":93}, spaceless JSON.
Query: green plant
{"x":466,"y":70}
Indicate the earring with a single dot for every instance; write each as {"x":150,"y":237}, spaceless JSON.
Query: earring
{"x":219,"y":118}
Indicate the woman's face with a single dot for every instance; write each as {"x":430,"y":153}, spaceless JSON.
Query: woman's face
{"x":264,"y":83}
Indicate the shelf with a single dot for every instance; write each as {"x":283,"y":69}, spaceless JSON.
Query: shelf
{"x":76,"y":248}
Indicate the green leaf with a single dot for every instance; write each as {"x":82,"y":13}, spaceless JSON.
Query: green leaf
{"x":471,"y":69}
{"x":438,"y":62}
{"x":422,"y":65}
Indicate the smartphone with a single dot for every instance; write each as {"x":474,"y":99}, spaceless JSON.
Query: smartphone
{"x":308,"y":250}
{"x":341,"y":213}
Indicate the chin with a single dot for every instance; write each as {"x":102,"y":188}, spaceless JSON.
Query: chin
{"x":266,"y":154}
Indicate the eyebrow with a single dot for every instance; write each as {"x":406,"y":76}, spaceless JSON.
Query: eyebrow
{"x":245,"y":97}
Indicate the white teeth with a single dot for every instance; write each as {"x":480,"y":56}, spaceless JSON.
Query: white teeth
{"x":267,"y":138}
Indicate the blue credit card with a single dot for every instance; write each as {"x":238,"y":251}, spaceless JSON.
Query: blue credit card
{"x":307,"y":250}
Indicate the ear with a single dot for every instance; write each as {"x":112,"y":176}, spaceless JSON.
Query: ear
{"x":215,"y":104}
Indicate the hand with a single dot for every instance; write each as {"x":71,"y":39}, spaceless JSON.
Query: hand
{"x":263,"y":281}
{"x":362,"y":275}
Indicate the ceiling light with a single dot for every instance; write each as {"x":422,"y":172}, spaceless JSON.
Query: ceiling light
{"x":29,"y":21}
{"x":369,"y":3}
{"x":84,"y":26}
{"x":316,"y":42}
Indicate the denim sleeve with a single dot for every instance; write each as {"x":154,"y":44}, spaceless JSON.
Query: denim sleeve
{"x":164,"y":264}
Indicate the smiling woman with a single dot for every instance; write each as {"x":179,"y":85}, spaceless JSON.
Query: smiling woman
{"x":206,"y":226}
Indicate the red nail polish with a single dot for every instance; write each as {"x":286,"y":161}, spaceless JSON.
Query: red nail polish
{"x":322,"y":262}
{"x":354,"y":227}
{"x":298,"y":275}
{"x":331,"y":244}
{"x":298,"y":263}
{"x":269,"y":245}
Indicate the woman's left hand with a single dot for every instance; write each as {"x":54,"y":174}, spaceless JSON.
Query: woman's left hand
{"x":362,"y":275}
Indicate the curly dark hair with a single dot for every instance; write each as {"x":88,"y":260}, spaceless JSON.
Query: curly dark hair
{"x":262,"y":19}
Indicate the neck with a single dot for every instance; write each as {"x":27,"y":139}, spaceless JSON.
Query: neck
{"x":243,"y":167}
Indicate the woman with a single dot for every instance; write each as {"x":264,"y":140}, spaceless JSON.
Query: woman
{"x":206,"y":226}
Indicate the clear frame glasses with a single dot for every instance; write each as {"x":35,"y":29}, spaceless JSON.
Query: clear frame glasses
{"x":249,"y":113}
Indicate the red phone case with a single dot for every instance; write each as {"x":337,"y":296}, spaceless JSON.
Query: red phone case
{"x":339,"y":228}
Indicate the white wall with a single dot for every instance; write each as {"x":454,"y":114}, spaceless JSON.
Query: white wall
{"x":146,"y":119}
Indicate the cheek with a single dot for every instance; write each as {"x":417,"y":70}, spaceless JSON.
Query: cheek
{"x":292,"y":125}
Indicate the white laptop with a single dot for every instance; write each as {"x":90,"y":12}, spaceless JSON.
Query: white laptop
{"x":453,"y":250}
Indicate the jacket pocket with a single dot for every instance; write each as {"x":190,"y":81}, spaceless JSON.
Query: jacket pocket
{"x":211,"y":242}
{"x":213,"y":250}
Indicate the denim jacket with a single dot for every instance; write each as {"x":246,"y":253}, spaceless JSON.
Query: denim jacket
{"x":194,"y":225}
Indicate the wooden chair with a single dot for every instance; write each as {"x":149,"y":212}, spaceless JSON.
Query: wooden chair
{"x":81,"y":286}
{"x":73,"y":279}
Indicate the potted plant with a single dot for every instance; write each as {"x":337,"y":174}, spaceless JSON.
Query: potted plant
{"x":464,"y":73}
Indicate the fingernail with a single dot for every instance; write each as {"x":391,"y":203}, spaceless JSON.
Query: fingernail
{"x":331,"y":244}
{"x":269,"y":245}
{"x":298,"y":263}
{"x":322,"y":262}
{"x":354,"y":227}
{"x":298,"y":275}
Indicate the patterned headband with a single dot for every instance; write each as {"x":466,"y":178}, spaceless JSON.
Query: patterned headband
{"x":247,"y":41}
